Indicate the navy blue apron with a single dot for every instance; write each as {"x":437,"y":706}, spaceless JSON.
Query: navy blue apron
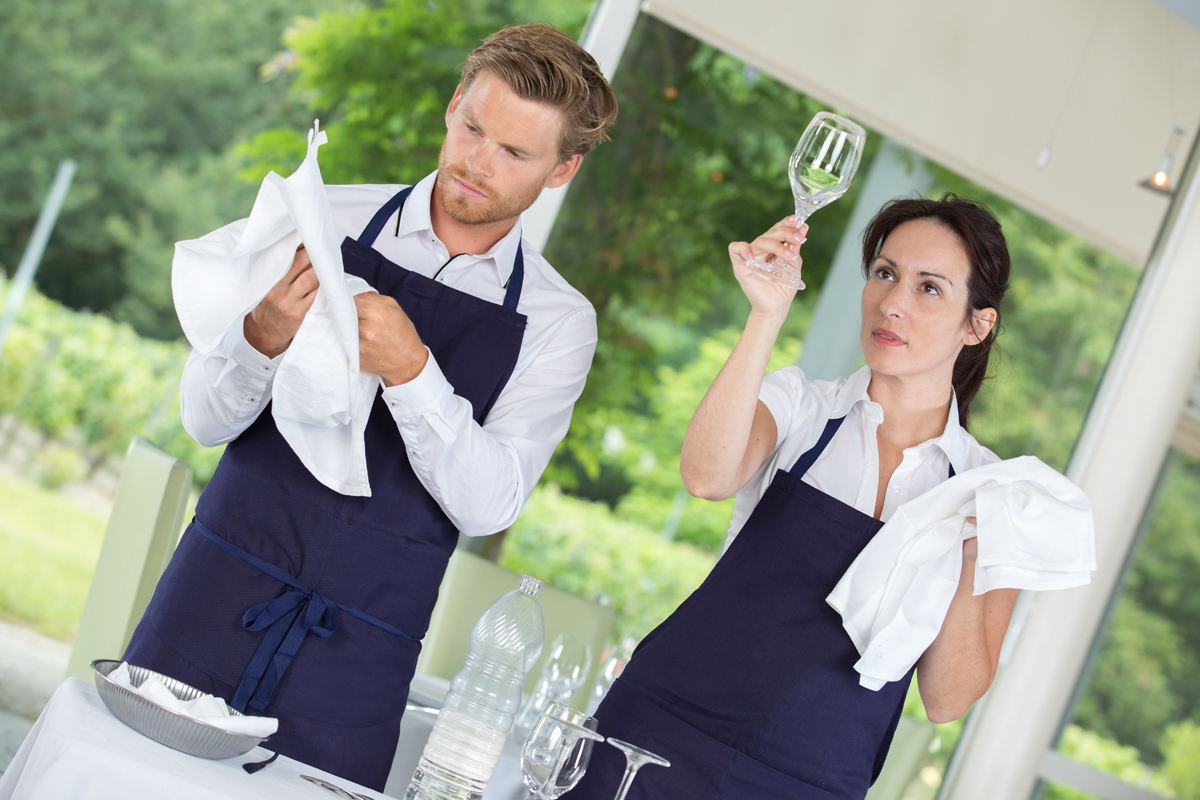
{"x":749,"y":688}
{"x":289,"y":599}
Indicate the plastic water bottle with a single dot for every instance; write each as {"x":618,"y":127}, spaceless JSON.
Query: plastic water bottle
{"x":483,"y":699}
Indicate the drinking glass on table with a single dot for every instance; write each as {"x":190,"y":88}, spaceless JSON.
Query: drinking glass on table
{"x":821,"y":169}
{"x":563,"y":673}
{"x":557,"y":751}
{"x":615,"y":659}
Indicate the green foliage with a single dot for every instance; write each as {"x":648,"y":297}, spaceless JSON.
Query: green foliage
{"x":380,"y":79}
{"x":146,"y":95}
{"x":1106,"y":755}
{"x":582,"y":547}
{"x":644,"y":446}
{"x":698,"y":159}
{"x":67,"y":373}
{"x":50,"y":548}
{"x":1144,"y":678}
{"x":1181,"y":750}
{"x":1130,"y":696}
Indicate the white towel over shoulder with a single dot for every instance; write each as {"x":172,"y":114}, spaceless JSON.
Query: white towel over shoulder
{"x":320,"y":399}
{"x":1035,"y":531}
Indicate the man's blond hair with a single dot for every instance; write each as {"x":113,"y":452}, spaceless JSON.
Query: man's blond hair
{"x":540,"y":63}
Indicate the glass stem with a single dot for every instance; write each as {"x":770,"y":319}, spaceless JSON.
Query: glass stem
{"x":803,"y":212}
{"x":630,"y":773}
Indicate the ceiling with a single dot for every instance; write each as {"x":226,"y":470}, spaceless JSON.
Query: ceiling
{"x":983,"y":87}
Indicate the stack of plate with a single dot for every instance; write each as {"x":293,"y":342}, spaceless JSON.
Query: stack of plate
{"x":182,"y":733}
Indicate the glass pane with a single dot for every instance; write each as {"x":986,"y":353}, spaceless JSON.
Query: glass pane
{"x":1137,"y":717}
{"x":698,"y":159}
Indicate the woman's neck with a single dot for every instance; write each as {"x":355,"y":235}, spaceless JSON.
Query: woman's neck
{"x":915,"y":410}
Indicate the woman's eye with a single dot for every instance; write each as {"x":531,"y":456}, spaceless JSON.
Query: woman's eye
{"x":883,"y":273}
{"x":930,"y":288}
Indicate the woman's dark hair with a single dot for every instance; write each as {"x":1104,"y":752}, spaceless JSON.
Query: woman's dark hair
{"x":978,"y":231}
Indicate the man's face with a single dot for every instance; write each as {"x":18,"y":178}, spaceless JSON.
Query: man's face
{"x":499,"y":153}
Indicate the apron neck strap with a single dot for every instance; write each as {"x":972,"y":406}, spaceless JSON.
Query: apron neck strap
{"x":809,"y":458}
{"x":512,"y":294}
{"x":371,"y":232}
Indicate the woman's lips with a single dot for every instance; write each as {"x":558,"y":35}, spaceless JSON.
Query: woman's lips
{"x":468,"y":189}
{"x":885,"y":338}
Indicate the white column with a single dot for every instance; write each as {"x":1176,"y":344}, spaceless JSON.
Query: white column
{"x":1123,"y":443}
{"x":605,"y":37}
{"x":831,"y":346}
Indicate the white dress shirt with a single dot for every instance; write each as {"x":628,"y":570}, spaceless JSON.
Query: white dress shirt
{"x":481,"y":476}
{"x":849,"y":468}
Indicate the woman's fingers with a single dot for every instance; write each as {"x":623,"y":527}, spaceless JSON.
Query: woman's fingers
{"x":764,"y":245}
{"x":786,"y":230}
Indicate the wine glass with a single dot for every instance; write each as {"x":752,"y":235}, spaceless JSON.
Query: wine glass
{"x":557,"y":751}
{"x":563,"y":673}
{"x":821,"y":168}
{"x":615,"y":659}
{"x":635,"y":757}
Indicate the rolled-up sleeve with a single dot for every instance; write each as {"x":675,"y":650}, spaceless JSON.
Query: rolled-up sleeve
{"x":481,"y":475}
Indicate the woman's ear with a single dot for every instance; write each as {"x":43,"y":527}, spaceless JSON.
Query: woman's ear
{"x":982,"y":320}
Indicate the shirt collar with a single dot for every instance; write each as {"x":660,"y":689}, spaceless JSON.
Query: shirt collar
{"x":414,"y":218}
{"x":952,"y":442}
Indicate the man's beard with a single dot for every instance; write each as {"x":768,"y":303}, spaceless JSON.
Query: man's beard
{"x":479,"y":211}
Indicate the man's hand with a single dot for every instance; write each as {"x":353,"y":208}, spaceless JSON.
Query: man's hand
{"x":388,"y":344}
{"x":273,"y":323}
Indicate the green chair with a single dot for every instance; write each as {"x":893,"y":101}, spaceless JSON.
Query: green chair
{"x":471,"y":585}
{"x":909,"y":747}
{"x":142,"y":532}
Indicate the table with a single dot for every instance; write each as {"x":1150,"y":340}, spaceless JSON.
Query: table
{"x":77,"y":749}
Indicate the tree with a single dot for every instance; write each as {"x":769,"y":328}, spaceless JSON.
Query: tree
{"x":146,"y":95}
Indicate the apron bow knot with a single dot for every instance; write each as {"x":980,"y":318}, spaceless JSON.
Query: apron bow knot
{"x":287,"y":620}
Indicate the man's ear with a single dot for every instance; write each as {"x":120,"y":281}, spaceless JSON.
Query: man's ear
{"x":454,"y":101}
{"x":565,"y":170}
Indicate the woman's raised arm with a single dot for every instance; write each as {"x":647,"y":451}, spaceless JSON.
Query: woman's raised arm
{"x":732,"y":433}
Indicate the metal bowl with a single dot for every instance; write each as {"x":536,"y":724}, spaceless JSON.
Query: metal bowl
{"x":182,"y":733}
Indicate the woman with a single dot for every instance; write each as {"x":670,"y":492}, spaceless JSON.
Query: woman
{"x":749,"y":688}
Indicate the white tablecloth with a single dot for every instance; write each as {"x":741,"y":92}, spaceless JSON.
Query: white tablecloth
{"x":78,"y":750}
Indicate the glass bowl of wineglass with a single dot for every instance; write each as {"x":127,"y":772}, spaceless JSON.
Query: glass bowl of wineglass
{"x":821,"y":169}
{"x":557,"y":751}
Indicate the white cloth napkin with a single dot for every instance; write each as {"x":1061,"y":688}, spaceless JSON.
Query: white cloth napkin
{"x":320,"y":398}
{"x":206,"y":708}
{"x":1035,"y":531}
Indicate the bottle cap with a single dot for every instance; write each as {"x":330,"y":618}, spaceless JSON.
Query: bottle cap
{"x":530,"y":585}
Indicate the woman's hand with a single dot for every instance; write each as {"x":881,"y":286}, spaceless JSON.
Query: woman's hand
{"x":781,"y":243}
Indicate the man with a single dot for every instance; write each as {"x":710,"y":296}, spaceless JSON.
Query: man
{"x":482,"y":349}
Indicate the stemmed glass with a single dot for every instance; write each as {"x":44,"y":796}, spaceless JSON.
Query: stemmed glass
{"x":635,"y":757}
{"x":821,"y":169}
{"x":563,"y":673}
{"x":557,"y":751}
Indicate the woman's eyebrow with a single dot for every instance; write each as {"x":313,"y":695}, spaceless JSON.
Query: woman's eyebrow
{"x":922,"y":274}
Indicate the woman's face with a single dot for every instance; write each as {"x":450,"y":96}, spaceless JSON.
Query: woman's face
{"x":914,"y":306}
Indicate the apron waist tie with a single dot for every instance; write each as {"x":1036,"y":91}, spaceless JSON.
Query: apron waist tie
{"x":287,"y":620}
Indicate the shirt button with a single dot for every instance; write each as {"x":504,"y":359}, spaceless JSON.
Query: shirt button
{"x":895,"y":490}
